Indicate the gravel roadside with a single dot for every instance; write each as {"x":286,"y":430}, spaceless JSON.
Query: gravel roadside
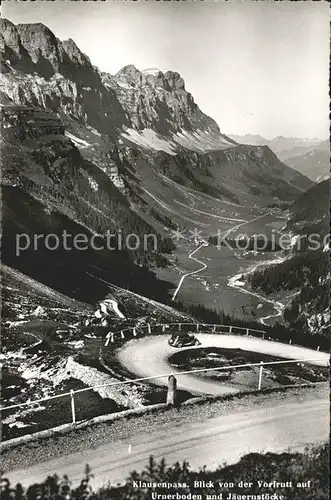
{"x":98,"y":434}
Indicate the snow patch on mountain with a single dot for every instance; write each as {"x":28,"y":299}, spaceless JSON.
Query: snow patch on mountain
{"x":80,"y":143}
{"x":201,"y":141}
{"x":149,"y":139}
{"x":152,"y":71}
{"x":198,"y":141}
{"x":93,"y":183}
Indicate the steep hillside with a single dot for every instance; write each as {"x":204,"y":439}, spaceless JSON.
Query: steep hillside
{"x":243,"y":174}
{"x":49,"y":188}
{"x":82,"y":271}
{"x":310,"y":211}
{"x":164,"y":115}
{"x":306,"y":268}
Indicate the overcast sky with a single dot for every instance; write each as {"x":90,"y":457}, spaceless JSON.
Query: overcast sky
{"x":255,"y":67}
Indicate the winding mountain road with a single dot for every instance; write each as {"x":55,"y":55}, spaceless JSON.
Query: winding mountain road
{"x":200,"y":435}
{"x":204,"y":266}
{"x":148,"y":356}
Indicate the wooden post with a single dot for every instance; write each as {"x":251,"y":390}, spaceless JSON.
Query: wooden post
{"x":112,"y":338}
{"x":73,"y":411}
{"x":247,"y":330}
{"x":122,"y":334}
{"x":214,"y":328}
{"x":172,"y":388}
{"x":163,"y":328}
{"x":260,"y":375}
{"x":179,"y":327}
{"x":197,"y":327}
{"x":318,"y":348}
{"x":290,"y":341}
{"x":230,"y":329}
{"x":107,"y":339}
{"x":149,"y":328}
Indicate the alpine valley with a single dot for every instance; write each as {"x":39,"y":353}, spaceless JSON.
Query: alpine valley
{"x":87,"y":152}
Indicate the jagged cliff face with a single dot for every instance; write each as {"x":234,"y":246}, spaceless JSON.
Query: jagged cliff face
{"x":49,"y":188}
{"x":164,"y":116}
{"x":59,"y":76}
{"x":38,"y":69}
{"x":148,"y":111}
{"x":59,"y":125}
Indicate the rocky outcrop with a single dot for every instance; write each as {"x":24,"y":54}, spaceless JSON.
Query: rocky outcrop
{"x":127,"y":396}
{"x":40,"y":70}
{"x":158,"y":100}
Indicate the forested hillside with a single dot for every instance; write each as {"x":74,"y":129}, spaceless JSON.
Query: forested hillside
{"x":306,"y":269}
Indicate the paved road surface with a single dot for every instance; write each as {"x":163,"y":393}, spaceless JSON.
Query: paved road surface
{"x":224,"y":438}
{"x":148,"y":356}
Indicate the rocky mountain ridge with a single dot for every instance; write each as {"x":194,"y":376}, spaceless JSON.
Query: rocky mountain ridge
{"x":148,"y":110}
{"x":159,"y":101}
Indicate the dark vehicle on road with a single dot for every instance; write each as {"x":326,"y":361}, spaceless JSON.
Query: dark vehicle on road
{"x":183,"y":340}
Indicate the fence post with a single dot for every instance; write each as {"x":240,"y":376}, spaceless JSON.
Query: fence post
{"x":318,"y":348}
{"x":230,"y":329}
{"x":107,"y":339}
{"x":122,"y":334}
{"x":163,"y":328}
{"x":134,"y":331}
{"x":247,"y":330}
{"x":198,"y":327}
{"x":260,"y":375}
{"x":149,"y":328}
{"x":73,"y":411}
{"x":214,"y":328}
{"x":290,"y":341}
{"x":179,"y":327}
{"x":172,"y":388}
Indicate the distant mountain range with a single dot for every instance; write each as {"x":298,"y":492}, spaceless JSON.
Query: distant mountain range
{"x":310,"y":157}
{"x":315,"y":163}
